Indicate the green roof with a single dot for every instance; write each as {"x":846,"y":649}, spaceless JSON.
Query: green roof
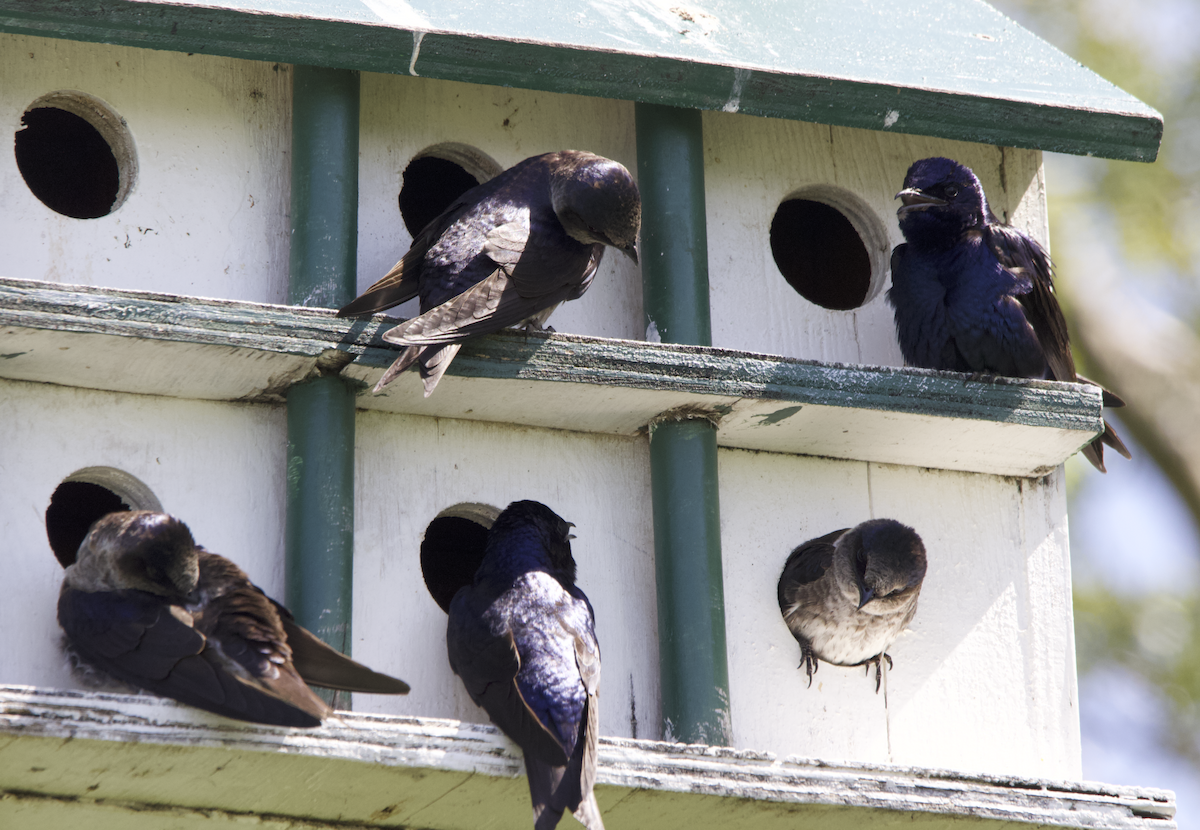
{"x":950,"y":68}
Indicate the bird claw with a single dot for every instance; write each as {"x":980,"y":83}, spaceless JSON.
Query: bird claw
{"x":876,"y":662}
{"x":808,"y":662}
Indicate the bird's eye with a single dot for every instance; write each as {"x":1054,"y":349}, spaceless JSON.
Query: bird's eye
{"x":951,"y":191}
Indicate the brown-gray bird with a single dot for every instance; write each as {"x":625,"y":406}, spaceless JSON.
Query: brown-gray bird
{"x":847,"y":595}
{"x":146,"y":604}
{"x":505,"y":253}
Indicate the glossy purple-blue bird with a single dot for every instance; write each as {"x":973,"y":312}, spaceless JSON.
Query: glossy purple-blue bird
{"x":847,"y":595}
{"x":505,"y":253}
{"x":972,"y":294}
{"x":522,"y":639}
{"x":146,"y":605}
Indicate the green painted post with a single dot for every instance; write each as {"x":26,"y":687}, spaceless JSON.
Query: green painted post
{"x":319,"y":540}
{"x":674,"y":245}
{"x":693,"y":666}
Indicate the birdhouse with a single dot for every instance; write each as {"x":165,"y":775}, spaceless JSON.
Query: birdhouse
{"x":196,"y":188}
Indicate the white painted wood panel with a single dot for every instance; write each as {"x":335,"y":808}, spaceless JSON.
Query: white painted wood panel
{"x":402,"y":115}
{"x":985,"y":678}
{"x":411,"y":468}
{"x":992,"y":680}
{"x":208,"y":213}
{"x":217,"y":466}
{"x":770,"y":503}
{"x":752,"y":165}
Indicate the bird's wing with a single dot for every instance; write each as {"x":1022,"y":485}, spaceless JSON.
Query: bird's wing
{"x":557,"y":699}
{"x":246,"y":636}
{"x":486,"y":307}
{"x":321,"y":665}
{"x":1108,"y":397}
{"x":141,"y":639}
{"x":403,"y":282}
{"x":587,"y":659}
{"x":488,"y":665}
{"x":806,"y":564}
{"x":131,"y":634}
{"x":397,"y":286}
{"x":1022,"y":255}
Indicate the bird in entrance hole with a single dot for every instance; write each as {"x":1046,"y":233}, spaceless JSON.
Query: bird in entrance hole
{"x":146,"y":605}
{"x":847,"y":595}
{"x":505,"y":253}
{"x":972,"y":294}
{"x":521,"y":636}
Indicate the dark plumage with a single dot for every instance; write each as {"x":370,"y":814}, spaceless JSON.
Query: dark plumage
{"x":144,"y":603}
{"x":505,"y":253}
{"x":521,"y":637}
{"x":972,"y":294}
{"x":847,"y":595}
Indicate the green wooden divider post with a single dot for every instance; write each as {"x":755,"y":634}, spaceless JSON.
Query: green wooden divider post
{"x":320,"y":412}
{"x":683,"y":450}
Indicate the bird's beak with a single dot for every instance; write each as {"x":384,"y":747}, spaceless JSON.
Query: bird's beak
{"x":631,"y":252}
{"x":865,"y":595}
{"x":915,"y":199}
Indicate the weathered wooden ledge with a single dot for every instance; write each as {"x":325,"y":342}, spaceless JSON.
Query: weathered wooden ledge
{"x":132,"y":755}
{"x":189,"y":347}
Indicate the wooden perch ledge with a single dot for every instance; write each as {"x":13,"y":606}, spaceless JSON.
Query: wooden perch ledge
{"x":123,"y":757}
{"x":190,"y":347}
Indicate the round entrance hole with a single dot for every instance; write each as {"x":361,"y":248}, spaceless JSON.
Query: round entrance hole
{"x":75,"y":154}
{"x":437,"y":176}
{"x":830,"y":247}
{"x":85,"y":496}
{"x":453,"y":548}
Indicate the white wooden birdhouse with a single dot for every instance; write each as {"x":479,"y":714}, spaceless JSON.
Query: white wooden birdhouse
{"x":196,"y":188}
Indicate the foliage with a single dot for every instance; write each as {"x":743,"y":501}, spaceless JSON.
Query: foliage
{"x":1149,"y":49}
{"x":1156,"y":636}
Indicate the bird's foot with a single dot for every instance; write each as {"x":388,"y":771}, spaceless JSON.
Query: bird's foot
{"x":808,"y":662}
{"x":876,"y":662}
{"x":533,"y":325}
{"x":983,"y":377}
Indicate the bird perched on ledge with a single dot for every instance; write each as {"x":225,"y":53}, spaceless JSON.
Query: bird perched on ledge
{"x":505,"y":253}
{"x":147,"y":605}
{"x":847,"y":595}
{"x":522,"y":639}
{"x":972,"y":294}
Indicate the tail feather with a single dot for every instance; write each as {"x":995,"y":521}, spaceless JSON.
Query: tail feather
{"x":435,"y":360}
{"x":587,"y":811}
{"x":545,"y":791}
{"x":1111,"y":438}
{"x":554,"y":790}
{"x":1094,"y":452}
{"x":407,"y":358}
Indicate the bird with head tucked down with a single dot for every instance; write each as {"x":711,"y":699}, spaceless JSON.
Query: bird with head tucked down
{"x":522,"y":638}
{"x":505,"y":253}
{"x":972,"y":294}
{"x":847,"y":595}
{"x":148,"y":606}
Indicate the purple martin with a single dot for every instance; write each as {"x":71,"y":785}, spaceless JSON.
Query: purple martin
{"x":148,"y":606}
{"x":848,"y":594}
{"x":522,"y":639}
{"x":505,"y":253}
{"x":972,"y":294}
